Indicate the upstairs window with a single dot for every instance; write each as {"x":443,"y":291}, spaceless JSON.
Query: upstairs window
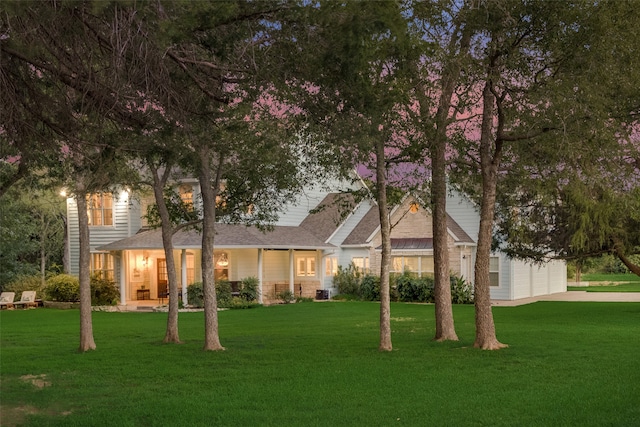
{"x":186,"y":195}
{"x":100,"y":209}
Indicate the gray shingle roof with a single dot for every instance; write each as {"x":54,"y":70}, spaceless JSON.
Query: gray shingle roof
{"x":365,"y":228}
{"x":227,"y":236}
{"x":371,"y":222}
{"x":328,"y":215}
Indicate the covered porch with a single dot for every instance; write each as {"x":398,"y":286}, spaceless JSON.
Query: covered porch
{"x":284,"y":259}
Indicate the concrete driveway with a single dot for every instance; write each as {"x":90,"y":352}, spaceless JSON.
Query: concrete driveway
{"x":574,"y":296}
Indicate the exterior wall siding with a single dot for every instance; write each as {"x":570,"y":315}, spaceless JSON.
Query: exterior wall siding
{"x":504,"y":290}
{"x":349,"y":224}
{"x":243,"y":263}
{"x":294,"y":213}
{"x":464,"y":213}
{"x":126,"y":218}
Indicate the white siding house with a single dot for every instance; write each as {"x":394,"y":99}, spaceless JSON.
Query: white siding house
{"x":516,"y":278}
{"x":304,"y":249}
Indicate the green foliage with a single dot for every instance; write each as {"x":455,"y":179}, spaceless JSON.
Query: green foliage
{"x":406,"y":287}
{"x":241,"y":303}
{"x":66,"y":288}
{"x":224,"y":294}
{"x":286,"y":296}
{"x":104,"y":291}
{"x":410,"y":287}
{"x":303,"y":299}
{"x":32,"y":221}
{"x":347,"y":280}
{"x":195,"y":294}
{"x":608,"y":264}
{"x":25,"y":283}
{"x":63,"y":287}
{"x":250,"y":289}
{"x":370,"y":288}
{"x":461,"y":291}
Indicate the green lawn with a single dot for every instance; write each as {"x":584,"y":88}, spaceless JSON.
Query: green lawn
{"x":318,"y":364}
{"x":629,"y":277}
{"x":622,"y":287}
{"x":609,"y":283}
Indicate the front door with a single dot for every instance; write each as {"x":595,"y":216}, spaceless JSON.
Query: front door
{"x":163,"y":279}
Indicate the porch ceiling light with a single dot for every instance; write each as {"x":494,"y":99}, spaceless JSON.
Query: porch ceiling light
{"x":223,"y":261}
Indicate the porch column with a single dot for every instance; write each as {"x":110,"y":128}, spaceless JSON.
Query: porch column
{"x":291,"y":271}
{"x":260,"y":275}
{"x":123,"y":280}
{"x":183,"y":274}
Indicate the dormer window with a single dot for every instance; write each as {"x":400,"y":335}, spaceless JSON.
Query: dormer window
{"x":100,"y":209}
{"x":186,"y":195}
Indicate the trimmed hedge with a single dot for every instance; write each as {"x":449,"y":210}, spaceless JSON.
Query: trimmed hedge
{"x":406,"y":287}
{"x":66,"y":288}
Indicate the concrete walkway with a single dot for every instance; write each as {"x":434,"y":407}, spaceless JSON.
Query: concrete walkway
{"x":574,"y":296}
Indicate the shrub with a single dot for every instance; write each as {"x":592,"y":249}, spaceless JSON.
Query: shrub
{"x":461,"y":291}
{"x":286,"y":296}
{"x":62,"y":287}
{"x":347,"y":280}
{"x":195,"y":294}
{"x":249,"y":289}
{"x":370,"y":288}
{"x":240,"y":303}
{"x":425,"y":289}
{"x":103,"y":291}
{"x":223,"y":293}
{"x":25,"y":283}
{"x":304,"y":299}
{"x":408,"y":287}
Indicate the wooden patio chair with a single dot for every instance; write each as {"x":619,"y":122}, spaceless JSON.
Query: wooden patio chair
{"x":28,"y":299}
{"x":6,"y":300}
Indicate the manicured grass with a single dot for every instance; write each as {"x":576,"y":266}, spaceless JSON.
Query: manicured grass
{"x":629,"y":277}
{"x":609,"y":283}
{"x":622,"y":287}
{"x":318,"y":364}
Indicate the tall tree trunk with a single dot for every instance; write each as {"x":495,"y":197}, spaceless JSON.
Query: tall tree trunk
{"x":43,"y":251}
{"x":209,"y":189}
{"x":171,"y":334}
{"x":385,"y":230}
{"x":489,"y":161}
{"x":86,"y":325}
{"x":445,"y":328}
{"x":65,"y":255}
{"x":458,"y":48}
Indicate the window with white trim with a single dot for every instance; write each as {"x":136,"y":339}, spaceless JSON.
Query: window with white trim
{"x":103,"y":265}
{"x":331,"y":266}
{"x":306,"y":267}
{"x":494,"y":271}
{"x":186,"y":195}
{"x":100,"y":209}
{"x":362,"y":263}
{"x":191,"y":270}
{"x":412,"y":264}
